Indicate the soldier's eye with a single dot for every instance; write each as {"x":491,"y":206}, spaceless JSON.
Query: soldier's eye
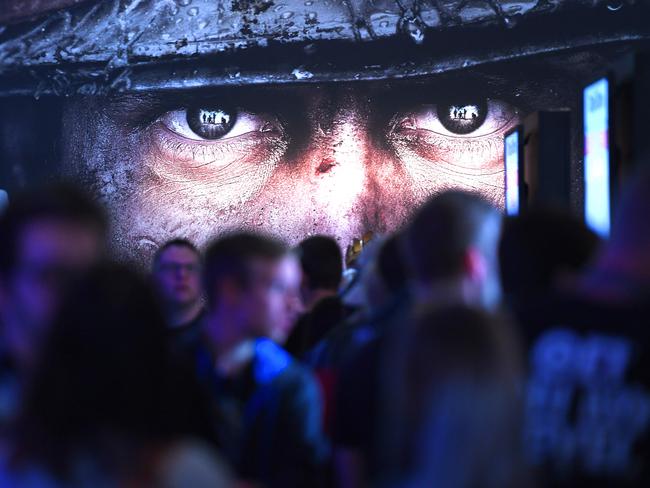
{"x":211,"y":123}
{"x":215,"y":123}
{"x":463,"y":117}
{"x":458,"y":118}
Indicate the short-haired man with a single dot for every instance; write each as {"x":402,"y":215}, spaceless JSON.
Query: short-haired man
{"x":47,"y":238}
{"x":176,"y":273}
{"x":322,"y":270}
{"x":273,"y":435}
{"x":322,"y":267}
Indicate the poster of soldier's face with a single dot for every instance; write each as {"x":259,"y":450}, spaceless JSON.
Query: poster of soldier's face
{"x":340,"y":157}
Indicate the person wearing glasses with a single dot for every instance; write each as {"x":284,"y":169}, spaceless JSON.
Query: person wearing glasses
{"x":176,"y":273}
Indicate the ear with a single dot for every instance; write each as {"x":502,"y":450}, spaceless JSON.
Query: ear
{"x":475,"y":264}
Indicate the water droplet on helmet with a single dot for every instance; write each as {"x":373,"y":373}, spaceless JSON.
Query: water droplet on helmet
{"x":193,"y":12}
{"x":413,"y":30}
{"x":417,"y":35}
{"x":614,"y":5}
{"x":183,"y":3}
{"x":287,"y":15}
{"x":301,"y":74}
{"x":510,"y":22}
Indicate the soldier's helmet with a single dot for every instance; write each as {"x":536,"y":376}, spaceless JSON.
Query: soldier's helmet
{"x":67,"y":47}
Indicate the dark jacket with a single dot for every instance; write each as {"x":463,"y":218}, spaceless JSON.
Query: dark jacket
{"x":269,"y":417}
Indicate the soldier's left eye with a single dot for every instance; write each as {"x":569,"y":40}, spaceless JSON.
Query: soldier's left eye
{"x":458,"y":118}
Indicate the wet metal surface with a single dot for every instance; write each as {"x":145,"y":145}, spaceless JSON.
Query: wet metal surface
{"x":94,"y":47}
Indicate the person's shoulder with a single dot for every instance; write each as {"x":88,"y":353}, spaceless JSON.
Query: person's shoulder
{"x":583,"y":313}
{"x":275,"y":366}
{"x":272,"y":362}
{"x":348,"y":339}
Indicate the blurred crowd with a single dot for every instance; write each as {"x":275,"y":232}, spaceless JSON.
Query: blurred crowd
{"x":465,"y":350}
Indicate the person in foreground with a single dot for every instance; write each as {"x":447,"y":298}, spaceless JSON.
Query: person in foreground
{"x":48,"y":237}
{"x":588,"y":348}
{"x":107,"y":405}
{"x":460,"y":403}
{"x":450,"y":249}
{"x":268,"y":407}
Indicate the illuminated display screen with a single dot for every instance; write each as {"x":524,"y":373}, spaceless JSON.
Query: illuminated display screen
{"x":512,"y":173}
{"x":596,"y":156}
{"x":217,"y":116}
